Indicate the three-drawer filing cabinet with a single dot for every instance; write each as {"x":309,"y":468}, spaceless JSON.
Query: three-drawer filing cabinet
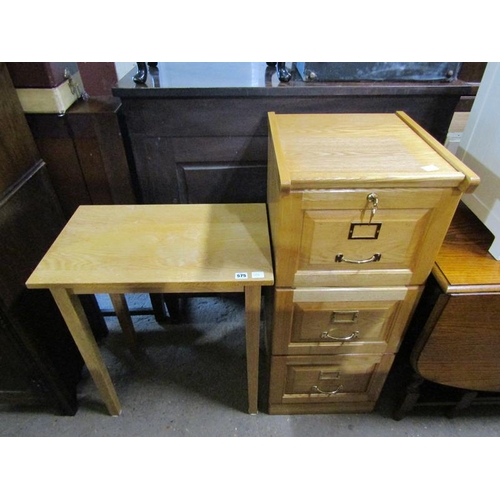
{"x":359,"y":205}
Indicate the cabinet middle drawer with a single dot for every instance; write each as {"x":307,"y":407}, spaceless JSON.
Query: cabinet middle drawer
{"x":333,"y":321}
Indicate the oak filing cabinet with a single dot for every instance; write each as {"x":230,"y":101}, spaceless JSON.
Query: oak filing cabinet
{"x":359,"y":205}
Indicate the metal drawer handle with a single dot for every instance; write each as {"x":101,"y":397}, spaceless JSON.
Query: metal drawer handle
{"x":319,"y":391}
{"x":326,"y":335}
{"x":375,"y":258}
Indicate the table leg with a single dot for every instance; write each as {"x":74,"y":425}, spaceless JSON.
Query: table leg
{"x":122,"y":313}
{"x":74,"y":315}
{"x":252,"y":313}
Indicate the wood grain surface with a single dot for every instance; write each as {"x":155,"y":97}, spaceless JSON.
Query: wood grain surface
{"x":347,"y":150}
{"x":463,"y":264}
{"x":127,"y":248}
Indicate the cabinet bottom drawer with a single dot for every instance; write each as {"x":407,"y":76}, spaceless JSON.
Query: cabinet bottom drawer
{"x":328,"y":380}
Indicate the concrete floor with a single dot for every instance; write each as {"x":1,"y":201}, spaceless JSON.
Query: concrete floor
{"x":189,"y":380}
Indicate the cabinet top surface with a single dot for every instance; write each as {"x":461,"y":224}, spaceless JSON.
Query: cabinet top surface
{"x":257,"y":79}
{"x":149,"y":245}
{"x":333,"y":150}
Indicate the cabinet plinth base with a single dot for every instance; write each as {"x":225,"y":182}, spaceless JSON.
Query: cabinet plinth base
{"x":303,"y":409}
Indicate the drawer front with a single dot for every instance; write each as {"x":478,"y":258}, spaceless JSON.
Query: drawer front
{"x":334,"y":322}
{"x":325,"y":379}
{"x":330,"y":321}
{"x":370,"y":238}
{"x":342,"y":240}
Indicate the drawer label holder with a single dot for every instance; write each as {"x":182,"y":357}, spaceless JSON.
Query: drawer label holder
{"x":364,"y":231}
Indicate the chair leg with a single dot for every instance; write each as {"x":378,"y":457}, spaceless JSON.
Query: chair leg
{"x":465,"y":402}
{"x":172,"y":301}
{"x":411,"y":397}
{"x":158,"y":306}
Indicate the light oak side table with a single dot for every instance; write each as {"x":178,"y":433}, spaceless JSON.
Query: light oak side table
{"x":119,"y":249}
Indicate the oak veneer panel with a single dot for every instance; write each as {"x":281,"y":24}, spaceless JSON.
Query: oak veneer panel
{"x":378,"y":316}
{"x":321,"y":408}
{"x":88,"y":254}
{"x":349,"y":377}
{"x":285,"y":216}
{"x":358,"y":206}
{"x":413,"y":224}
{"x":417,"y":185}
{"x":326,"y":151}
{"x":325,"y":235}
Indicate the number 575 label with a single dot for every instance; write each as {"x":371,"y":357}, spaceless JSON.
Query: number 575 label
{"x":255,"y":275}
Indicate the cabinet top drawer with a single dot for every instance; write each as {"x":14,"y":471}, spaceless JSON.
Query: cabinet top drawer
{"x":327,"y":151}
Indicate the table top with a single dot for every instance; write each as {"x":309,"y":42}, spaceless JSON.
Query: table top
{"x":159,"y":248}
{"x":464,"y":264}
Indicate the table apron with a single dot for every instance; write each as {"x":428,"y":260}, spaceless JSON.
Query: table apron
{"x":164,"y":288}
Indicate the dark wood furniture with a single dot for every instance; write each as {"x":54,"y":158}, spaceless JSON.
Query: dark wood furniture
{"x":455,"y":342}
{"x":84,"y":146}
{"x":198,"y":131}
{"x":39,"y":363}
{"x":85,"y":153}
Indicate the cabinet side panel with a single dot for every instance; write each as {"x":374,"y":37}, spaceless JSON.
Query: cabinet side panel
{"x":285,"y":221}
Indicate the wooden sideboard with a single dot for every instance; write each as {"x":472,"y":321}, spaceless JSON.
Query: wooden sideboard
{"x":455,"y":339}
{"x":199,"y":133}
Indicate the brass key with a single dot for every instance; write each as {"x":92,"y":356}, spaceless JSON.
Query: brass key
{"x":373,"y":199}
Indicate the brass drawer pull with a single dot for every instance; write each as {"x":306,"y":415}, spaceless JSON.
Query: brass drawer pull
{"x":326,"y":335}
{"x":375,"y":258}
{"x":315,"y":388}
